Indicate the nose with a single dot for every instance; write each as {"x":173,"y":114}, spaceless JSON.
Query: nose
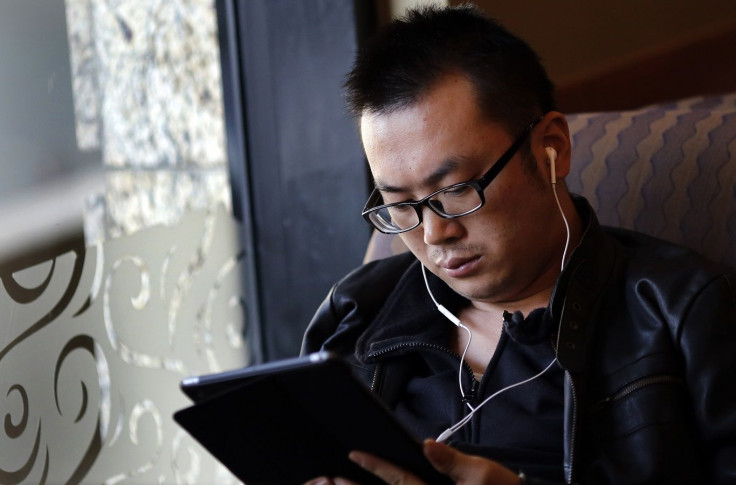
{"x":438,"y":230}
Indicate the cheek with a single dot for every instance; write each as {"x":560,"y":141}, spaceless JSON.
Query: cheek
{"x":517,"y":203}
{"x":504,"y":229}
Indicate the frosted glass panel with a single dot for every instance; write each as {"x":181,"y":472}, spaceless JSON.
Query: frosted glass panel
{"x":113,"y":109}
{"x":95,"y":342}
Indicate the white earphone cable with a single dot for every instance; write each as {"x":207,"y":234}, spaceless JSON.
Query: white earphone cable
{"x":567,"y":226}
{"x":457,"y":322}
{"x":455,"y":427}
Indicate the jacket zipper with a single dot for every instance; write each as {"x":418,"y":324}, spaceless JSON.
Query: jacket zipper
{"x":375,"y":378}
{"x":573,"y":430}
{"x":424,"y":345}
{"x":470,"y":395}
{"x":635,"y":386}
{"x":417,"y":345}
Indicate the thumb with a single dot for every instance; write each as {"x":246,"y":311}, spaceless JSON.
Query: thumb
{"x":441,"y":456}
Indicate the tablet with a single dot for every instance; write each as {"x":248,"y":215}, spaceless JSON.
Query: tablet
{"x":290,"y":421}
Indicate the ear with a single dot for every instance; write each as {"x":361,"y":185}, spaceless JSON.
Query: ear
{"x":552,"y":131}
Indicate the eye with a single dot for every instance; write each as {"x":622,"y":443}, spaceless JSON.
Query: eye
{"x":400,"y":209}
{"x":457,"y":191}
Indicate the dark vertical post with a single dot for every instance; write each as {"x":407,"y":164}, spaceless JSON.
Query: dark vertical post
{"x":296,"y":154}
{"x":234,"y":99}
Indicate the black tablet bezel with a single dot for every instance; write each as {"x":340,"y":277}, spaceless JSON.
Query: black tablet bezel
{"x":291,"y":421}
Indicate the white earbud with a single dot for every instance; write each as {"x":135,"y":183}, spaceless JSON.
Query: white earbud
{"x":552,"y":156}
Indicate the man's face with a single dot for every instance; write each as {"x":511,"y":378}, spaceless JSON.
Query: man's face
{"x":500,"y":253}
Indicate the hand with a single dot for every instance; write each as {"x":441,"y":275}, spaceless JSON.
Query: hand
{"x":461,"y":468}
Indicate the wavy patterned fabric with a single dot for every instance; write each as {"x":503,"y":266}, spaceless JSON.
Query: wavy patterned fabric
{"x":668,"y":171}
{"x":665,"y":170}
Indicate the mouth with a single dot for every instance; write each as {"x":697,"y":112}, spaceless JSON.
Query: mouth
{"x":459,"y":267}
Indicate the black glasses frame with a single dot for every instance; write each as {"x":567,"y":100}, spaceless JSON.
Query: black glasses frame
{"x":479,"y":185}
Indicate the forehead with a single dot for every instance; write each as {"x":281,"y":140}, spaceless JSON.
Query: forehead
{"x":443,"y":128}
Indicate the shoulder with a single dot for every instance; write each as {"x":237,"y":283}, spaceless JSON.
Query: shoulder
{"x":375,"y":278}
{"x":353,"y":302}
{"x":671,"y":281}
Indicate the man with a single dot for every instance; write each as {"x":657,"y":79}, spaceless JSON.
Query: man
{"x":585,"y":355}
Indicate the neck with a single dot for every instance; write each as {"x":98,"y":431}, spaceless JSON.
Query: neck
{"x":485,"y":322}
{"x":524,"y":305}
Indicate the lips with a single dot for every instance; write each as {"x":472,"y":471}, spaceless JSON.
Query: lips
{"x":459,"y":267}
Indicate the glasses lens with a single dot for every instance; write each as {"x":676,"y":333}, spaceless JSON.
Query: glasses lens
{"x":394,"y":218}
{"x":456,"y":200}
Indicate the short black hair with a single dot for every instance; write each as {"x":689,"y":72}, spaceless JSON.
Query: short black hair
{"x":411,"y":54}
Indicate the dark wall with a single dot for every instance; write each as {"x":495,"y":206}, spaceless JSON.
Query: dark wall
{"x":298,"y":173}
{"x":605,"y":55}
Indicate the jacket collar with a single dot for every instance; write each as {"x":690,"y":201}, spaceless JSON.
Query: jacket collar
{"x":578,"y":290}
{"x":410,"y":315}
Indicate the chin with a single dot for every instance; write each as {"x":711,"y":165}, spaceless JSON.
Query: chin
{"x":476,"y":290}
{"x":484,"y":296}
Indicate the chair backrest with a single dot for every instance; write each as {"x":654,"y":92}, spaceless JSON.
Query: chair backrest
{"x":666,"y":170}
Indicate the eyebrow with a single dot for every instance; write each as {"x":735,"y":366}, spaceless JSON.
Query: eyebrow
{"x":433,"y":178}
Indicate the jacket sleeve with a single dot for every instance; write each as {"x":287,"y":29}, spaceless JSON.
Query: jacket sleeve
{"x":708,"y":343}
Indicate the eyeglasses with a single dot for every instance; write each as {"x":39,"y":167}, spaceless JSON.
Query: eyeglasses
{"x":450,"y":202}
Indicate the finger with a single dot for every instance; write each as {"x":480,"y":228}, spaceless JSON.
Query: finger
{"x":320,"y":481}
{"x":344,"y":481}
{"x":386,"y":471}
{"x":467,"y":469}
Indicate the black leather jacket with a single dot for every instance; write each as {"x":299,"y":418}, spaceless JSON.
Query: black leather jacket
{"x":646,"y":335}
